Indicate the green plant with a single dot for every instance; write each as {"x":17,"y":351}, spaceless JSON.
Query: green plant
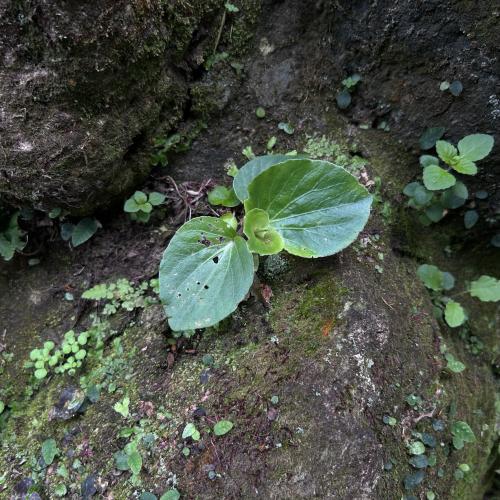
{"x":81,"y":232}
{"x":441,"y":190}
{"x":11,"y":236}
{"x":67,"y":358}
{"x":123,"y":295}
{"x":140,"y":205}
{"x":486,"y":289}
{"x":349,"y":84}
{"x":309,"y":208}
{"x":163,"y":146}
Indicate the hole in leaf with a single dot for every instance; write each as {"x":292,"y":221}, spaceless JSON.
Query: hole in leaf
{"x":206,"y":287}
{"x":179,"y":295}
{"x":198,"y":283}
{"x":216,"y":259}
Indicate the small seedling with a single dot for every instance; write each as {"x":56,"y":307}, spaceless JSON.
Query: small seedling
{"x":441,"y":190}
{"x":140,"y":205}
{"x":208,"y":267}
{"x":349,"y":85}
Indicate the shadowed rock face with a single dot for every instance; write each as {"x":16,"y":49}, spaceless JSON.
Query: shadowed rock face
{"x":82,"y":86}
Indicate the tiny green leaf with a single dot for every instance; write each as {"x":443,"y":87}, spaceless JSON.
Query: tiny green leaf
{"x":486,"y":289}
{"x":131,"y":206}
{"x":454,"y":314}
{"x":464,"y":166}
{"x":462,"y":433}
{"x":260,"y":112}
{"x":221,"y":195}
{"x":475,"y":147}
{"x":222,"y":427}
{"x":430,"y":136}
{"x":172,"y":494}
{"x":426,"y":160}
{"x":262,"y":238}
{"x":231,"y":7}
{"x":456,"y":88}
{"x":446,"y":151}
{"x":286,"y":127}
{"x":437,"y":178}
{"x":134,"y":461}
{"x":2,"y":407}
{"x":470,"y":218}
{"x":416,"y":448}
{"x":140,"y":197}
{"x":84,"y":230}
{"x":49,"y":451}
{"x":40,"y":373}
{"x":344,"y":99}
{"x":453,"y":364}
{"x":435,"y":212}
{"x":156,"y":198}
{"x":230,"y":220}
{"x":190,"y":431}
{"x":122,"y":407}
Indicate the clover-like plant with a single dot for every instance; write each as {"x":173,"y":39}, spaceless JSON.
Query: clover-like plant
{"x":309,"y":208}
{"x":140,"y":205}
{"x":441,"y":190}
{"x":485,"y":288}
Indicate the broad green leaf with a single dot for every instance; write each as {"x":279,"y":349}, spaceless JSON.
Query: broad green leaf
{"x":247,"y":173}
{"x":262,"y":238}
{"x":206,"y":271}
{"x":156,"y":198}
{"x":475,"y":147}
{"x":317,"y":207}
{"x":134,"y":461}
{"x":446,"y":151}
{"x":453,"y":364}
{"x":49,"y":451}
{"x":172,"y":494}
{"x":84,"y":230}
{"x":222,"y":195}
{"x":464,"y":166}
{"x":470,"y":218}
{"x":486,"y":289}
{"x":430,"y":136}
{"x":454,"y":314}
{"x":10,"y":239}
{"x":437,"y":178}
{"x":131,"y":206}
{"x":426,"y":160}
{"x":140,"y":197}
{"x":222,"y":427}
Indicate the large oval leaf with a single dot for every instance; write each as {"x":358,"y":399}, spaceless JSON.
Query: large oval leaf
{"x":206,"y":271}
{"x":317,"y":207}
{"x":247,"y":173}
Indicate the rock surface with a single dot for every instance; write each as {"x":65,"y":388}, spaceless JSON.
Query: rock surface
{"x":310,"y":379}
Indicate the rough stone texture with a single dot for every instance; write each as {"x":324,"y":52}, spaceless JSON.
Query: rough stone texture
{"x":83,"y":85}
